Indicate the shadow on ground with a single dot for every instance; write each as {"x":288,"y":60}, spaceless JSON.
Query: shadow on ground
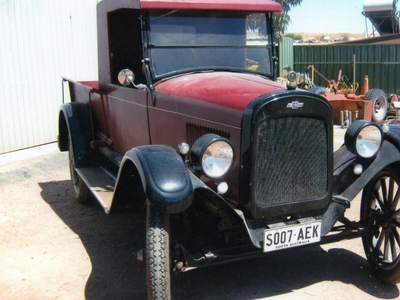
{"x":111,"y":242}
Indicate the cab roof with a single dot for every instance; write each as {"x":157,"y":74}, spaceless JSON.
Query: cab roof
{"x":241,"y":5}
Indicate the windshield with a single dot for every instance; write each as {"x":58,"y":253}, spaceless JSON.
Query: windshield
{"x":184,"y":41}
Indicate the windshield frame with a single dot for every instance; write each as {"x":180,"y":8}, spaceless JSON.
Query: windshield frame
{"x":154,"y":43}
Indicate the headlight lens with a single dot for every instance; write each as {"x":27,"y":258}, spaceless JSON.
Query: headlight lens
{"x":212,"y":154}
{"x":368,"y":141}
{"x":217,"y":159}
{"x":364,"y":138}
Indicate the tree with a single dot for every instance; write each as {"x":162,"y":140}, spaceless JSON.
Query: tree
{"x":282,"y":20}
{"x":345,"y":37}
{"x":295,"y":36}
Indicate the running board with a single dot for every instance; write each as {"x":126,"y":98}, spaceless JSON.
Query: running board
{"x":101,"y":183}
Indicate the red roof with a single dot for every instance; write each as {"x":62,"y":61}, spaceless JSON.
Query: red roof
{"x":241,"y":5}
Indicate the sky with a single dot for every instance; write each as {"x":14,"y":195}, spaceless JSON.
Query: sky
{"x":328,"y":16}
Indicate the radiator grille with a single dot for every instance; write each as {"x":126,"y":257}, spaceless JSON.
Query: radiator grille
{"x":291,"y":161}
{"x":194,"y":131}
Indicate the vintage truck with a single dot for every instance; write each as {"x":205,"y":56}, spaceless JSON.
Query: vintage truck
{"x":187,"y":130}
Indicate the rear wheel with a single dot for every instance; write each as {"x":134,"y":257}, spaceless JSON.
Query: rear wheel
{"x":158,"y":254}
{"x":379,"y":104}
{"x":380,"y":212}
{"x":80,"y":190}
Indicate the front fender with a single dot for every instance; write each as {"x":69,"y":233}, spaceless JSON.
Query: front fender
{"x":347,"y":184}
{"x":165,"y":178}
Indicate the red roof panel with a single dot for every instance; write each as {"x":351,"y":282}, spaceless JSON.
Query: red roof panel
{"x":241,"y":5}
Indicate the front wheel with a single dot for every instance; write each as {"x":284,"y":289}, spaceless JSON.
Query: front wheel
{"x":380,"y":212}
{"x":157,"y":254}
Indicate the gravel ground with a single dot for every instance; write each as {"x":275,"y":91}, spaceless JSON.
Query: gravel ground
{"x":54,"y":248}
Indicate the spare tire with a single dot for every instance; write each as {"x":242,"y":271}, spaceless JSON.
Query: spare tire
{"x":379,"y":104}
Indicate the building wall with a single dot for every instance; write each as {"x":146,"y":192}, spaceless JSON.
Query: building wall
{"x":41,"y":41}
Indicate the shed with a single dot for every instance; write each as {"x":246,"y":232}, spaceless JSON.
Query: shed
{"x":41,"y":41}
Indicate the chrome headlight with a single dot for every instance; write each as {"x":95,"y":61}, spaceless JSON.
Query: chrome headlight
{"x":212,"y":155}
{"x":292,"y":76}
{"x":363,"y":138}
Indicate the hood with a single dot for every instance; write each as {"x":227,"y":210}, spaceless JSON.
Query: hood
{"x":231,"y":90}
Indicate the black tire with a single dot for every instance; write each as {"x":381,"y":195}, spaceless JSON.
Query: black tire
{"x":80,"y":191}
{"x":380,"y":213}
{"x":157,"y":254}
{"x":379,"y":104}
{"x":315,"y":89}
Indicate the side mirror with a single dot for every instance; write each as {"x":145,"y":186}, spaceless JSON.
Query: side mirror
{"x":126,"y":77}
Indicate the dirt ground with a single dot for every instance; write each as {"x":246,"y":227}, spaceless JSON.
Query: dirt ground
{"x":54,"y":248}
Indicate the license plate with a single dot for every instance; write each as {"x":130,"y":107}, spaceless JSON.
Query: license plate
{"x":292,"y":236}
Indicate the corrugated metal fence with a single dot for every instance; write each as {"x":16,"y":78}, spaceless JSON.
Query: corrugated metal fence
{"x":40,"y":41}
{"x":285,"y":53}
{"x":380,"y":62}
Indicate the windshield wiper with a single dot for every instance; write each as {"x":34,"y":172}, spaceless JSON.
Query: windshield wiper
{"x":165,"y":15}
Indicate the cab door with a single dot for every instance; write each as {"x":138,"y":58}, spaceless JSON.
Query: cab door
{"x":127,"y":121}
{"x":120,"y":48}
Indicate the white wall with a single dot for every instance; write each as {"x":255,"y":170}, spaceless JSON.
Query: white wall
{"x":40,"y":41}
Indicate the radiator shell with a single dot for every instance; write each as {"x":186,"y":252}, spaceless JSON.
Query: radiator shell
{"x":287,"y":156}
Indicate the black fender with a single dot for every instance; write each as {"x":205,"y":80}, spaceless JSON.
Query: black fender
{"x":74,"y":124}
{"x":346,"y":184}
{"x":165,"y":179}
{"x":387,"y":155}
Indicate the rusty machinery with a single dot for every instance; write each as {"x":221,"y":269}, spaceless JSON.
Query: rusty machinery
{"x":342,"y":85}
{"x":370,"y":104}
